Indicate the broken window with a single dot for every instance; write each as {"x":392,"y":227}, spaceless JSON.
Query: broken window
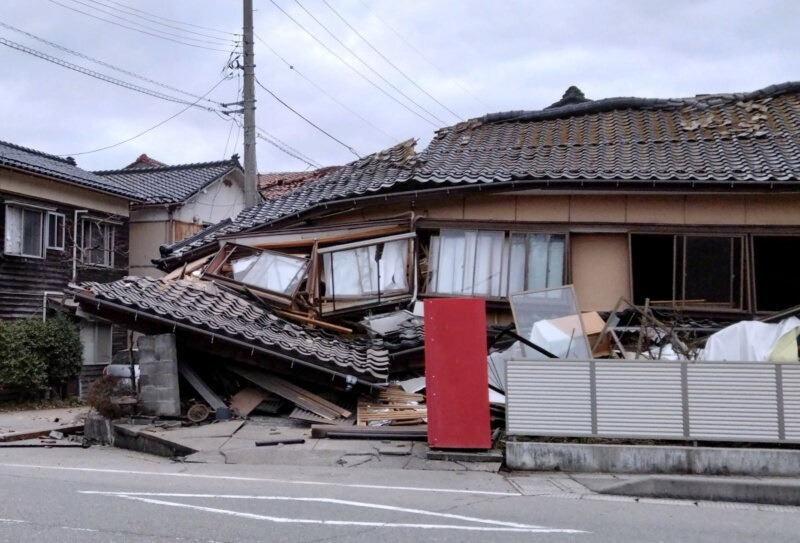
{"x":687,"y":269}
{"x":271,"y":271}
{"x":55,"y":230}
{"x":491,"y":264}
{"x":373,"y":268}
{"x":550,"y":320}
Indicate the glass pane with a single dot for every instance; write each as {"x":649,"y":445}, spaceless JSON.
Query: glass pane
{"x":13,"y":234}
{"x":31,"y":232}
{"x":555,"y":259}
{"x":488,"y":263}
{"x":550,"y":319}
{"x":538,"y":261}
{"x":275,"y":272}
{"x":516,"y":264}
{"x":450,"y":252}
{"x":355,"y":272}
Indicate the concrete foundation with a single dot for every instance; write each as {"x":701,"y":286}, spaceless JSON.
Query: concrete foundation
{"x":652,"y":459}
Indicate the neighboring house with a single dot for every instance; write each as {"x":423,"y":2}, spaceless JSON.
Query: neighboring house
{"x":175,"y":202}
{"x":60,"y":224}
{"x":692,"y":204}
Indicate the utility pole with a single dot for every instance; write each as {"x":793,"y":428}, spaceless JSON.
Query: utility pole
{"x":250,"y":169}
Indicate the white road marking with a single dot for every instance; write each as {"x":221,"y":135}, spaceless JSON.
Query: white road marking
{"x":12,"y":521}
{"x":497,"y":526}
{"x":264,"y":480}
{"x":351,"y":503}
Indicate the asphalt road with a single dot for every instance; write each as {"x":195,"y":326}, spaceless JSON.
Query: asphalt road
{"x":105,"y":494}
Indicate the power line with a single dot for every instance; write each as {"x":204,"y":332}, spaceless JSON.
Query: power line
{"x":98,"y":75}
{"x":136,"y":29}
{"x":129,"y":11}
{"x":289,"y":150}
{"x":287,"y":106}
{"x":390,"y":63}
{"x":100,"y":62}
{"x":370,"y":68}
{"x":323,"y":91}
{"x":174,"y":20}
{"x":148,"y":130}
{"x":343,"y":61}
{"x":421,"y":54}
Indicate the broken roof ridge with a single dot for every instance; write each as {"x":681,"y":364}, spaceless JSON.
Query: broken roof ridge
{"x":572,"y":109}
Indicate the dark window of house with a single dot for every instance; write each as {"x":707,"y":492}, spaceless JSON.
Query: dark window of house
{"x":652,"y":267}
{"x":691,"y":270}
{"x":776,"y":282}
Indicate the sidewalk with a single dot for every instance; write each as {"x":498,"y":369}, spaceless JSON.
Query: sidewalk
{"x":277,"y":440}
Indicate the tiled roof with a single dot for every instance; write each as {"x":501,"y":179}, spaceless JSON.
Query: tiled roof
{"x":369,"y":174}
{"x":214,"y":311}
{"x":169,"y":184}
{"x":274,"y":185}
{"x":729,"y":138}
{"x":63,"y":169}
{"x":722,"y":140}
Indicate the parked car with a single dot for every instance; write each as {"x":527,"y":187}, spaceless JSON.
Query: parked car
{"x":120,"y":367}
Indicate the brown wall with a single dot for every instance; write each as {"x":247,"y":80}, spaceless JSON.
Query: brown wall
{"x":600,"y":271}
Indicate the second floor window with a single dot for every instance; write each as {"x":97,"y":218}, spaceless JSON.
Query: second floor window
{"x":24,"y":231}
{"x":98,"y":243}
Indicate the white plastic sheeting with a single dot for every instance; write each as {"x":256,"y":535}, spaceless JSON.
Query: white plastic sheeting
{"x":754,"y":341}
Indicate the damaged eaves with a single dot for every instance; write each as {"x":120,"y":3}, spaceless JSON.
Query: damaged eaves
{"x":208,"y":311}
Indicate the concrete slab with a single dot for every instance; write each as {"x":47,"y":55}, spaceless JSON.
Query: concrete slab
{"x":40,"y":421}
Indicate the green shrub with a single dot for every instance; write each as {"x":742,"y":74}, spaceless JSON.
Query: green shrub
{"x":21,"y":365}
{"x":35,"y":355}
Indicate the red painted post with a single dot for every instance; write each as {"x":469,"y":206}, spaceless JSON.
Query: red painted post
{"x":456,"y":374}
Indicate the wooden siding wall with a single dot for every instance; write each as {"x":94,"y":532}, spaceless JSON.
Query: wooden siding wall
{"x":23,"y":280}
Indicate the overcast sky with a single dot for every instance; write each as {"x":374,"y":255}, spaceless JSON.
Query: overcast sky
{"x":365,"y":74}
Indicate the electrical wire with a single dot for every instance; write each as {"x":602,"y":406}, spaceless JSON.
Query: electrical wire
{"x":287,"y":150}
{"x":287,"y":106}
{"x":370,"y":68}
{"x":146,"y":131}
{"x":343,"y":61}
{"x":326,"y":93}
{"x":100,"y":62}
{"x":129,"y":11}
{"x":98,"y":75}
{"x":390,"y":63}
{"x":173,"y":20}
{"x":421,"y":54}
{"x":136,"y":29}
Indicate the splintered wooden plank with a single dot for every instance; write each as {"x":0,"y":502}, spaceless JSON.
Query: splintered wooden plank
{"x":295,"y":394}
{"x":301,"y":414}
{"x":247,"y":399}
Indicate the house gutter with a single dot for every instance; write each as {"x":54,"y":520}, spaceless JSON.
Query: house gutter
{"x":348,"y":378}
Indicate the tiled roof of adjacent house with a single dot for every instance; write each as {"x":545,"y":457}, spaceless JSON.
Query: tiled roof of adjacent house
{"x":210,"y":310}
{"x":169,"y":184}
{"x":63,"y":169}
{"x":722,"y":139}
{"x":366,"y":175}
{"x":719,"y":140}
{"x":144,"y":161}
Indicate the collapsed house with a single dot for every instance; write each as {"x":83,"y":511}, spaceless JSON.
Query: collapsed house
{"x":678,"y":205}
